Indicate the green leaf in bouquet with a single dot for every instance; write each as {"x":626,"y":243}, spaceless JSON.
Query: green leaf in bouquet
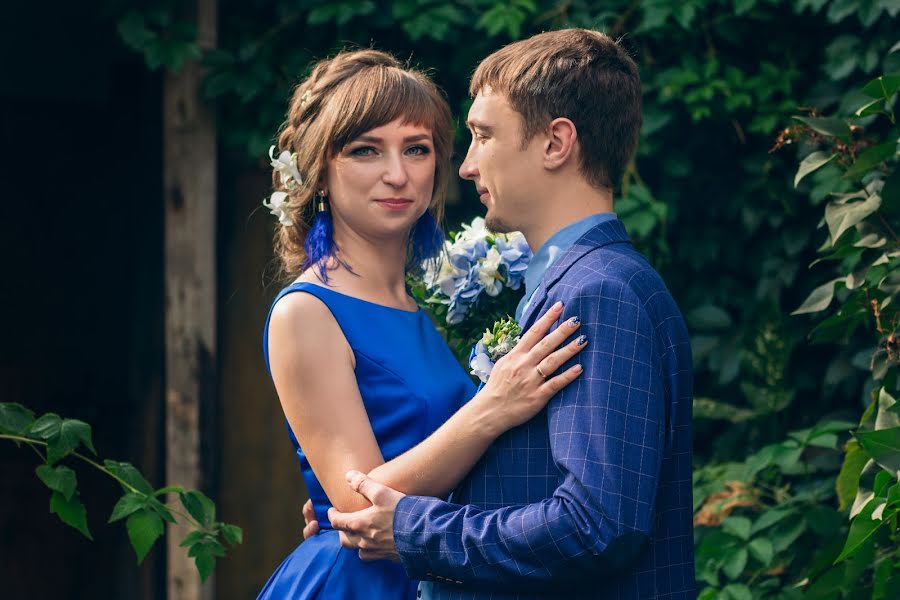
{"x":71,"y":511}
{"x":144,"y":528}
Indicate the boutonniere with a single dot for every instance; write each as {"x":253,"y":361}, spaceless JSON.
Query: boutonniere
{"x":493,"y":345}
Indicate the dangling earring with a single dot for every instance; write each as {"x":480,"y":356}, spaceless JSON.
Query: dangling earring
{"x":322,"y":204}
{"x":319,"y":243}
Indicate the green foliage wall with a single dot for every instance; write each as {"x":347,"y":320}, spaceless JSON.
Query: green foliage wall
{"x":710,"y":198}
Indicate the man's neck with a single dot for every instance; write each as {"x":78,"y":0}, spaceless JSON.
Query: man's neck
{"x":572,"y":202}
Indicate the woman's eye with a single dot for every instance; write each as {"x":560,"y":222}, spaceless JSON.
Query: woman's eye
{"x":363,"y":151}
{"x":418,"y":150}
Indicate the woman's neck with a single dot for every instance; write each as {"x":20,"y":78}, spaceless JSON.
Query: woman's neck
{"x":369,"y":269}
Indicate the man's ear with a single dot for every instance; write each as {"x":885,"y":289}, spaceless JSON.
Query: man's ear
{"x":562,"y":137}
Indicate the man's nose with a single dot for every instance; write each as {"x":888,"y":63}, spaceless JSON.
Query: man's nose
{"x":467,"y":169}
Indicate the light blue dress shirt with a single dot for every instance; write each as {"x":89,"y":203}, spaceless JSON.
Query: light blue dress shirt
{"x":557,"y":244}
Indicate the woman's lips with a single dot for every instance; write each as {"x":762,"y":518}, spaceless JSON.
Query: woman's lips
{"x":395,"y":203}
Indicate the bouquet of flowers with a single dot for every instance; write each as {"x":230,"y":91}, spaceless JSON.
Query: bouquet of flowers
{"x":476,"y":281}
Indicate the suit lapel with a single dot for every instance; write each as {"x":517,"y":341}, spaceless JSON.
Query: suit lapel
{"x":608,"y":232}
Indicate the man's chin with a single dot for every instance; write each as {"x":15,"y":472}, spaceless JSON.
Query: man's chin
{"x":497,"y":224}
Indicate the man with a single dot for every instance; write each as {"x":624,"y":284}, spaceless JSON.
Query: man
{"x":591,"y":498}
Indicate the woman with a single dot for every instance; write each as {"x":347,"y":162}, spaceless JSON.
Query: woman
{"x":364,"y":379}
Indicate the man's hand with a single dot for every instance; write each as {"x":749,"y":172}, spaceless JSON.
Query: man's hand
{"x":312,"y":524}
{"x":371,"y":530}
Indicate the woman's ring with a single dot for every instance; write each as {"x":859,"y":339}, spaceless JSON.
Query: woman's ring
{"x":541,"y":373}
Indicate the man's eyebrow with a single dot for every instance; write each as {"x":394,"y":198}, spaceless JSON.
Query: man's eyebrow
{"x":473,"y":124}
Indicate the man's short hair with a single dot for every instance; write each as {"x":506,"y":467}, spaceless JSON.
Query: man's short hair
{"x":579,"y":74}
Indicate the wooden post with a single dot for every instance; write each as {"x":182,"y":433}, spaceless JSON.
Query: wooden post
{"x":189,"y":141}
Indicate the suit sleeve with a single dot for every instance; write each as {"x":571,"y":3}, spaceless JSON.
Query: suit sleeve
{"x":606,"y":436}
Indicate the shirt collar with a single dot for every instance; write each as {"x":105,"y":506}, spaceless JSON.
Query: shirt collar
{"x":555,"y":245}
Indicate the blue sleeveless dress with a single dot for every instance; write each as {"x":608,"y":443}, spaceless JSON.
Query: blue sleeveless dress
{"x":410,"y":384}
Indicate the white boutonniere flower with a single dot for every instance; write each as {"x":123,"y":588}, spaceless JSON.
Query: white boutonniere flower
{"x":493,"y":345}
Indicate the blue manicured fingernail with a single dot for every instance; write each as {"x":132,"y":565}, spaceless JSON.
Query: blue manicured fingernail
{"x":582,"y":340}
{"x":574,"y":321}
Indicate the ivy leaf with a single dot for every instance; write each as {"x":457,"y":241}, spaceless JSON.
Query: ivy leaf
{"x":735,"y":562}
{"x":884,"y":446}
{"x":890,"y":195}
{"x":769,"y":518}
{"x":847,"y":482}
{"x":204,"y":553}
{"x":827,"y":126}
{"x":707,"y":408}
{"x":127,"y":504}
{"x":737,"y":591}
{"x":811,"y":163}
{"x":870,"y":158}
{"x":235,"y":535}
{"x":860,"y":530}
{"x":738,"y":527}
{"x":70,"y":434}
{"x":199,"y":506}
{"x":882,"y":87}
{"x":161,"y":509}
{"x":144,"y":528}
{"x":819,"y":299}
{"x":46,"y":426}
{"x":127,"y":473}
{"x":59,"y":479}
{"x":762,"y":550}
{"x":71,"y":511}
{"x":15,"y":419}
{"x":841,"y":216}
{"x":709,"y":317}
{"x":785,"y":533}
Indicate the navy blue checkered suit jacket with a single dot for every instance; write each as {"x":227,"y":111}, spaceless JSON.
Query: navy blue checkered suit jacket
{"x":592,"y":497}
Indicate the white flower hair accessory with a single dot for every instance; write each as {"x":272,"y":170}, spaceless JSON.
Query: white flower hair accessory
{"x":286,"y":166}
{"x":277,"y":205}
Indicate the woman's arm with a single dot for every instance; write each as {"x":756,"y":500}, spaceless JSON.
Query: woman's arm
{"x":326,"y":413}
